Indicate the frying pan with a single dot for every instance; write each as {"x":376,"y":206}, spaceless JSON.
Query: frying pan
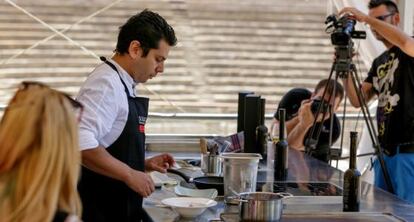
{"x":204,"y":182}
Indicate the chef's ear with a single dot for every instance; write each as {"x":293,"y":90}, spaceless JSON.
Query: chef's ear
{"x":135,"y":49}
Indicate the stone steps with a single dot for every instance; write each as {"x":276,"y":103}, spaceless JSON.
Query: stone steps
{"x":267,"y":46}
{"x":89,"y":33}
{"x":57,"y":62}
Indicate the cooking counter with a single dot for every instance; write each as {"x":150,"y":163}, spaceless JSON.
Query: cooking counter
{"x":302,"y":169}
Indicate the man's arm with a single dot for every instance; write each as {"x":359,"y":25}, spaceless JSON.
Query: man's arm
{"x":304,"y":121}
{"x":393,"y":34}
{"x":390,"y":32}
{"x":366,"y":89}
{"x":101,"y":162}
{"x":296,"y":136}
{"x":290,"y":124}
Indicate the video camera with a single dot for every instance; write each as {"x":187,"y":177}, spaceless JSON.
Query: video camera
{"x":342,"y":30}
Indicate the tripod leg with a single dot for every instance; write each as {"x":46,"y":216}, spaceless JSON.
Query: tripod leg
{"x":371,"y":129}
{"x":310,"y":146}
{"x":342,"y":132}
{"x":331,"y":122}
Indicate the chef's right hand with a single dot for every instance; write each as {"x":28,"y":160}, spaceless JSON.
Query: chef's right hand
{"x":140,"y":182}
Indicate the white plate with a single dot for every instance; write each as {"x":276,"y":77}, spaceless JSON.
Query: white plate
{"x":187,"y":192}
{"x":189,"y":207}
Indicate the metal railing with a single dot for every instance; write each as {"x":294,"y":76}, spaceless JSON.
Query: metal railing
{"x":226,"y":116}
{"x":214,"y":116}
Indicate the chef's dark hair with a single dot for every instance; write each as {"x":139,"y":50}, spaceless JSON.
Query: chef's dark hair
{"x":391,"y":6}
{"x":148,"y":28}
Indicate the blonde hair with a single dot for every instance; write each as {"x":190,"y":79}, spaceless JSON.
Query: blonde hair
{"x":39,"y":157}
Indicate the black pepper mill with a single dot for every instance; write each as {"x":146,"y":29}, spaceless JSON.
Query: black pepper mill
{"x":241,"y":109}
{"x":251,"y":122}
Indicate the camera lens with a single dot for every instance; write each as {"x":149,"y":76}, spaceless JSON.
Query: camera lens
{"x":315,"y":106}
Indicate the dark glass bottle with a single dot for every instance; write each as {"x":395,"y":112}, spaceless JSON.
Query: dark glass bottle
{"x":351,"y":179}
{"x":261,"y":140}
{"x":262,"y":132}
{"x":281,"y":151}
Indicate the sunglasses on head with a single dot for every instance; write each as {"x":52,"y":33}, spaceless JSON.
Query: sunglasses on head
{"x":77,"y":106}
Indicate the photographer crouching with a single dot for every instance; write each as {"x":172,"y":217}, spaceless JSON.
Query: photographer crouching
{"x":301,"y":107}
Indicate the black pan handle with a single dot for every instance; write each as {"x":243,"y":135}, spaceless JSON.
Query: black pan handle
{"x":181,"y":174}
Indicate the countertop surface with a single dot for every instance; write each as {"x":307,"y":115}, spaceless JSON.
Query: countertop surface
{"x":302,"y":168}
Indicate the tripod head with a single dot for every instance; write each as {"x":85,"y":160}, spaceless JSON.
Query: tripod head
{"x":343,"y":59}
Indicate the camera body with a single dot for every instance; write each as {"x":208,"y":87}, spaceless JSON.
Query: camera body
{"x":343,"y":30}
{"x":315,"y":106}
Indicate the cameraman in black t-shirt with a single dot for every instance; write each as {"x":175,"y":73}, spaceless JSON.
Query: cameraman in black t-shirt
{"x":391,"y":78}
{"x":301,"y":106}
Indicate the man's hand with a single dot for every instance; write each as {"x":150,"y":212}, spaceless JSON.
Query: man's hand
{"x":354,"y":13}
{"x":159,"y":163}
{"x":305,"y":114}
{"x":140,"y":182}
{"x":100,"y":161}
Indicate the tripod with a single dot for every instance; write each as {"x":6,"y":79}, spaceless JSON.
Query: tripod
{"x":345,"y":68}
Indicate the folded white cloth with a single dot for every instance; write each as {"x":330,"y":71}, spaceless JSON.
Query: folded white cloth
{"x":162,"y":179}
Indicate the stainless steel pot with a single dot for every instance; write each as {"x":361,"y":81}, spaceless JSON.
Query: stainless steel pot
{"x":261,"y":206}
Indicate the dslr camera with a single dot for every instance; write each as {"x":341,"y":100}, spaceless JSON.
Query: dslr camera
{"x":315,"y":106}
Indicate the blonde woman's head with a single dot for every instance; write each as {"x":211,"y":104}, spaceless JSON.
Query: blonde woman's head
{"x":39,"y":157}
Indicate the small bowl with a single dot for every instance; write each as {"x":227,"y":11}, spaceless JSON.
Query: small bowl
{"x":189,"y":207}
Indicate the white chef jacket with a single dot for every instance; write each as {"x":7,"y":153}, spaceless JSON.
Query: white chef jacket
{"x":105,"y":106}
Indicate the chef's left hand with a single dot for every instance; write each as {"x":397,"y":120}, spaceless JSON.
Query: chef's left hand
{"x":159,"y":163}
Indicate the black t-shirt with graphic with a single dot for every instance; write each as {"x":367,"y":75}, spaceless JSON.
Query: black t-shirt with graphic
{"x":292,"y":101}
{"x":392,"y":76}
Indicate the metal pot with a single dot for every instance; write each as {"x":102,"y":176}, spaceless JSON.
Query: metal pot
{"x":261,"y":206}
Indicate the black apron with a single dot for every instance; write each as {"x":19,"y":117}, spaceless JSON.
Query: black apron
{"x":108,"y":200}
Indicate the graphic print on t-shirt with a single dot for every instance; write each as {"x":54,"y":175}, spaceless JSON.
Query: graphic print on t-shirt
{"x":383,"y":83}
